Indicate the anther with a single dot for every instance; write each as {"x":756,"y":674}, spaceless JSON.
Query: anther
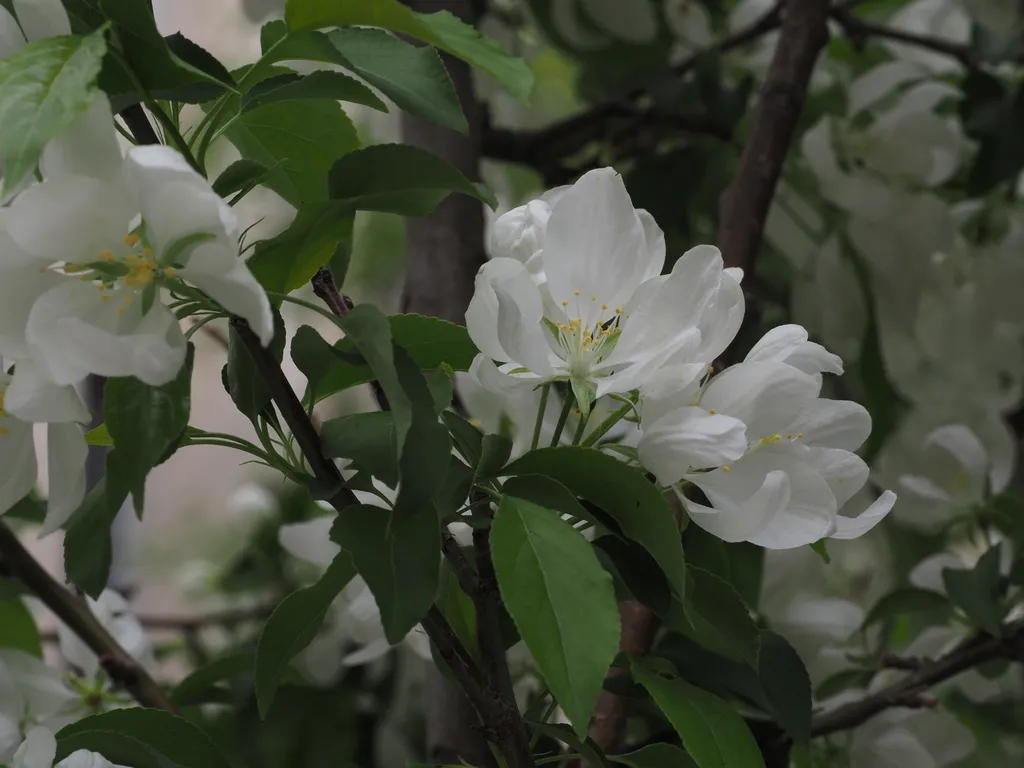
{"x":725,"y":468}
{"x":604,"y":306}
{"x":170,"y":271}
{"x":593,"y":298}
{"x":565,"y":303}
{"x":131,"y":240}
{"x":712,"y":411}
{"x":575,"y":293}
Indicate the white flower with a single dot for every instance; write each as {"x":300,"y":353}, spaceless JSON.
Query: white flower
{"x":520,"y":233}
{"x":114,"y":613}
{"x":603,"y":319}
{"x":30,"y":693}
{"x":959,"y":473}
{"x":944,"y":19}
{"x":780,"y":458}
{"x":904,"y":738}
{"x":61,"y":407}
{"x":99,"y":268}
{"x":690,"y":23}
{"x":39,"y":750}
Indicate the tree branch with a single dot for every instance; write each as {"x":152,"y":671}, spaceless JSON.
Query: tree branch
{"x":74,"y":612}
{"x":908,"y":691}
{"x":744,"y":206}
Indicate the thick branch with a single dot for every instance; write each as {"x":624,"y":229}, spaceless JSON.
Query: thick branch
{"x":908,"y":691}
{"x":75,"y":613}
{"x":744,"y":206}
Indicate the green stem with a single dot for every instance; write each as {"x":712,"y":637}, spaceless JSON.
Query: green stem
{"x":580,"y":428}
{"x":207,"y":128}
{"x":570,"y":399}
{"x":544,"y":392}
{"x":603,"y":428}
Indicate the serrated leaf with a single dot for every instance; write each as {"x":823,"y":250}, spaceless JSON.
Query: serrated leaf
{"x":623,"y":492}
{"x":172,"y":738}
{"x":467,"y":438}
{"x":398,"y":178}
{"x":562,"y":602}
{"x":88,"y":551}
{"x":240,"y":175}
{"x":197,"y":687}
{"x":713,"y":615}
{"x":43,"y":88}
{"x":333,"y":86}
{"x":909,"y":600}
{"x":786,"y":685}
{"x":711,"y":730}
{"x":248,"y":390}
{"x":442,"y":30}
{"x":366,"y":438}
{"x":411,"y":76}
{"x":293,"y":625}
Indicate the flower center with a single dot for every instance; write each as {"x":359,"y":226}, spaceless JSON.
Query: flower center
{"x":590,"y":336}
{"x":130,"y":265}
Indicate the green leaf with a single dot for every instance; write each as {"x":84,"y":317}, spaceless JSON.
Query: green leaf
{"x":197,"y":687}
{"x":991,"y":112}
{"x":411,"y":76}
{"x":318,"y":234}
{"x":586,"y":747}
{"x":398,"y":556}
{"x":906,"y":601}
{"x":43,"y":88}
{"x":145,"y":423}
{"x":712,"y":732}
{"x":173,"y":738}
{"x":787,"y":685}
{"x":240,"y":175}
{"x":977,"y":591}
{"x":18,"y":628}
{"x":545,"y":492}
{"x":656,"y":756}
{"x":562,"y":602}
{"x":99,"y":436}
{"x":714,"y":615}
{"x":468,"y":439}
{"x":494,"y":452}
{"x":313,"y":356}
{"x":442,"y":30}
{"x":428,"y":340}
{"x":299,"y":140}
{"x":712,"y":671}
{"x":293,"y":625}
{"x":248,"y":390}
{"x":88,"y":551}
{"x":637,"y":571}
{"x":623,"y":492}
{"x":366,"y":438}
{"x":333,"y":86}
{"x":739,"y":563}
{"x":397,"y":178}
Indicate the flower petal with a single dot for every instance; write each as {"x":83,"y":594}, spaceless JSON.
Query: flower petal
{"x":834,"y":424}
{"x":788,"y":344}
{"x":722,"y":319}
{"x":743,"y":505}
{"x":878,"y":82}
{"x":32,"y":397}
{"x":845,"y":472}
{"x":37,"y":751}
{"x":310,"y":541}
{"x":855,"y":527}
{"x":655,"y":239}
{"x":767,"y":396}
{"x":21,"y":283}
{"x":690,"y":438}
{"x":89,"y":147}
{"x":218,"y":271}
{"x":961,"y":442}
{"x":18,"y":459}
{"x":482,"y":313}
{"x":42,"y":18}
{"x":66,"y":451}
{"x":11,"y":38}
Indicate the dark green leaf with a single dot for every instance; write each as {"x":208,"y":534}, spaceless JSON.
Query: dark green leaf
{"x":495,"y":451}
{"x":125,"y":750}
{"x":428,"y":340}
{"x":786,"y":684}
{"x":739,"y":563}
{"x":145,"y":423}
{"x":587,"y":747}
{"x":638,"y":571}
{"x":246,"y":386}
{"x":843,"y":681}
{"x":299,"y":140}
{"x":88,"y":550}
{"x":656,"y":756}
{"x":909,"y":600}
{"x":624,"y":493}
{"x":334,"y":86}
{"x":714,"y":615}
{"x":548,"y":493}
{"x":712,"y":732}
{"x":313,"y":356}
{"x":713,"y":672}
{"x":293,"y":625}
{"x":398,"y":556}
{"x":173,"y":738}
{"x":18,"y":628}
{"x":398,"y":178}
{"x":439,"y":383}
{"x":411,"y":76}
{"x":976,"y":591}
{"x":240,"y":175}
{"x":442,"y":30}
{"x":43,"y":88}
{"x":991,"y":113}
{"x":467,"y":438}
{"x":366,"y":438}
{"x":451,"y":496}
{"x":198,"y":686}
{"x":562,"y":602}
{"x":317,"y":235}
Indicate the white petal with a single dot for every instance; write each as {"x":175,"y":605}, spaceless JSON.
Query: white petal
{"x":767,"y":396}
{"x":743,"y":505}
{"x":943,"y":735}
{"x":66,"y":451}
{"x":89,"y":147}
{"x":565,"y":19}
{"x":21,"y":283}
{"x":595,"y":243}
{"x":925,"y":488}
{"x":520,"y":233}
{"x":372,"y":651}
{"x":18,"y":459}
{"x":723,"y":318}
{"x":82,"y":758}
{"x":310,"y":540}
{"x":878,"y":82}
{"x":788,"y":344}
{"x":219,"y":273}
{"x":71,"y":219}
{"x":834,"y":424}
{"x":855,"y":527}
{"x":808,"y":515}
{"x":845,"y":472}
{"x":42,"y":18}
{"x":11,"y":38}
{"x":690,"y":438}
{"x":520,"y":328}
{"x":674,"y":385}
{"x":40,"y":686}
{"x":37,"y":751}
{"x":655,"y":239}
{"x":33,"y":397}
{"x":482,"y":314}
{"x":966,"y":448}
{"x":894,"y":748}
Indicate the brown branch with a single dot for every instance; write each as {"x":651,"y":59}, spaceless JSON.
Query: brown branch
{"x":860,"y":31}
{"x":135,"y":118}
{"x":744,"y":205}
{"x":460,"y":565}
{"x":74,"y":612}
{"x":908,"y":692}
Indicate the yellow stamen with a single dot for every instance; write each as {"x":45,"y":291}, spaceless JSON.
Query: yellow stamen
{"x":593,"y":298}
{"x":120,"y":310}
{"x":618,"y":311}
{"x":106,"y":255}
{"x":565,"y":303}
{"x":3,"y":431}
{"x":799,"y":435}
{"x":148,"y":251}
{"x":712,"y":411}
{"x":725,"y":468}
{"x":575,"y":293}
{"x":604,"y":306}
{"x":789,"y":436}
{"x":170,"y":272}
{"x":131,"y":240}
{"x":105,"y":297}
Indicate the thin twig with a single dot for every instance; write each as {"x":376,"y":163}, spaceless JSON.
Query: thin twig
{"x":460,"y":565}
{"x":75,"y":613}
{"x":326,"y":290}
{"x":860,"y":31}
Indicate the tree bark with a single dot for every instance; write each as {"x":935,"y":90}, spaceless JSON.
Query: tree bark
{"x":445,"y":250}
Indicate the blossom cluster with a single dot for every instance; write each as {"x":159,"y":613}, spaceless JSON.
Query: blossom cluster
{"x":86,"y":254}
{"x":575,"y":295}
